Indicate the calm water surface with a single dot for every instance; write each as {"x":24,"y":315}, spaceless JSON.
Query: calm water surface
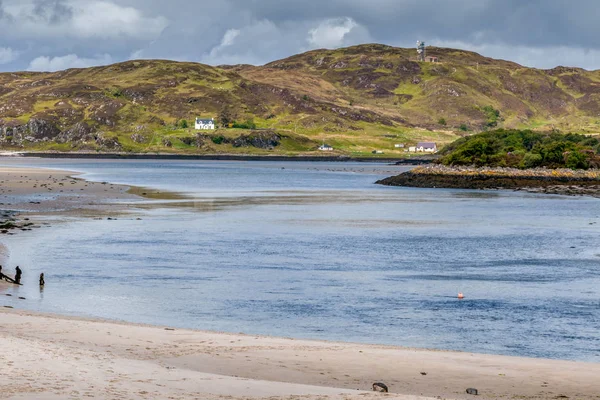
{"x":316,"y":250}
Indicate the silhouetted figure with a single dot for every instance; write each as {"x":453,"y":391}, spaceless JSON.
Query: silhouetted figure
{"x":42,"y":282}
{"x":1,"y":274}
{"x":18,"y":275}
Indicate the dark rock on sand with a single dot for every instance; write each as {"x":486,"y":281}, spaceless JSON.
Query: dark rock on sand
{"x":380,"y":387}
{"x":472,"y":391}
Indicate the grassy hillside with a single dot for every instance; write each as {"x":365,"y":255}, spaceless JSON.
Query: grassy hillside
{"x":357,"y":99}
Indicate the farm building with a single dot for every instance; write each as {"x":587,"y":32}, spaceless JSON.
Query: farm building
{"x":426,"y":147}
{"x":205,"y":124}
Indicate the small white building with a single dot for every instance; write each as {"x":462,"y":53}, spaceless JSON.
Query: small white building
{"x":399,"y":145}
{"x":205,"y":124}
{"x":412,"y":149}
{"x":325,"y":147}
{"x":426,"y":147}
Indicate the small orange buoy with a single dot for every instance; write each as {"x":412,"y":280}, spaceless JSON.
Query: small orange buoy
{"x":461,"y":296}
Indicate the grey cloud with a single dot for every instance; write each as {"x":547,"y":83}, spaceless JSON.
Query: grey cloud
{"x":534,"y":32}
{"x":3,"y":15}
{"x":52,"y":11}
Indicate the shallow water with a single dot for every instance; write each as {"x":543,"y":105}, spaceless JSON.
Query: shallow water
{"x":316,"y":250}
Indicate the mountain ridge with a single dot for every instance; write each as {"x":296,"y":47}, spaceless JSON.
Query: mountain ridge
{"x":358,"y":99}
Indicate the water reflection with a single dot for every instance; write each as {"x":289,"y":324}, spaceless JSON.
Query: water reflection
{"x":327,"y":255}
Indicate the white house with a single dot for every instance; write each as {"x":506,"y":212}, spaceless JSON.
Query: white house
{"x":205,"y":124}
{"x":399,"y":145}
{"x":426,"y":147}
{"x":412,"y":149}
{"x":325,"y":147}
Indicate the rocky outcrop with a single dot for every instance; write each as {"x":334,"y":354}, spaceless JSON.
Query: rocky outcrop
{"x":80,"y":132}
{"x":108,"y":142}
{"x":538,"y":181}
{"x":34,"y":131}
{"x":261,"y":140}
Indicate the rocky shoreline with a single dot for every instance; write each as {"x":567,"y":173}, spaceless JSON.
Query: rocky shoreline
{"x":561,"y":182}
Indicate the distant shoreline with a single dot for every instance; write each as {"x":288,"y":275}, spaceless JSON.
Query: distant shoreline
{"x":560,"y":182}
{"x":222,"y":157}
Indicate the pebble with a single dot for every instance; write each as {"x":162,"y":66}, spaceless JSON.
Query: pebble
{"x":380,"y":387}
{"x":472,"y":391}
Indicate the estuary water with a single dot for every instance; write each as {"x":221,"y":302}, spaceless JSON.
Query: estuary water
{"x":316,"y":250}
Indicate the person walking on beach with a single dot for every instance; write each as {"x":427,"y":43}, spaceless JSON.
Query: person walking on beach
{"x":1,"y":274}
{"x":18,"y":275}
{"x":42,"y":282}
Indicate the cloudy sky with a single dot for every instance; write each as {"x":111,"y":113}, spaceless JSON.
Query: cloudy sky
{"x":49,"y":35}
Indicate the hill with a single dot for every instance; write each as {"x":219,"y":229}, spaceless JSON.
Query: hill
{"x":357,"y":99}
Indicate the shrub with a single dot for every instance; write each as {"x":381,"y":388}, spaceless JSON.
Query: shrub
{"x":226,"y":116}
{"x":442,"y":121}
{"x":492,"y":115}
{"x":249,"y":124}
{"x":183,"y":124}
{"x":523,"y":149}
{"x":116,"y":92}
{"x":463,"y":127}
{"x":217,"y":139}
{"x":576,"y":160}
{"x":531,"y":160}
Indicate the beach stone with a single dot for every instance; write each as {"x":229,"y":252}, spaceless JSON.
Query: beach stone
{"x":472,"y":391}
{"x":380,"y":387}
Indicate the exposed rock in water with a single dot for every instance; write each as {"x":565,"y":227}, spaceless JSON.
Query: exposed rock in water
{"x":564,"y":182}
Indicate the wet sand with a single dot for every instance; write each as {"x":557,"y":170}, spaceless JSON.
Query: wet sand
{"x":52,"y":357}
{"x":43,"y":190}
{"x":29,"y":196}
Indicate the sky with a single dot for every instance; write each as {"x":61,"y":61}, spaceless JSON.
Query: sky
{"x":51,"y":35}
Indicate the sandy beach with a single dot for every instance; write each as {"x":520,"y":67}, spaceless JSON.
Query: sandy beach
{"x":57,"y":357}
{"x":53,"y":357}
{"x":40,"y":190}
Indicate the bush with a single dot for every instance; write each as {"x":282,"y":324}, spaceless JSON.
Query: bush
{"x":531,"y":160}
{"x":442,"y":121}
{"x":492,"y":115}
{"x":523,"y":149}
{"x":249,"y":124}
{"x":217,"y":139}
{"x":183,"y":124}
{"x":576,"y":160}
{"x":116,"y":92}
{"x":226,"y":116}
{"x":463,"y":127}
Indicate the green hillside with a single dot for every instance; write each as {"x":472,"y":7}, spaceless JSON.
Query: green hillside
{"x":357,"y":99}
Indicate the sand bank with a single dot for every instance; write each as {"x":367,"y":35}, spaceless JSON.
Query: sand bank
{"x":45,"y":190}
{"x":29,"y":196}
{"x":52,"y":357}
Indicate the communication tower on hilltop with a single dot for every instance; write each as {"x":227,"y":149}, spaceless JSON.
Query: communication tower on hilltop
{"x":421,"y":50}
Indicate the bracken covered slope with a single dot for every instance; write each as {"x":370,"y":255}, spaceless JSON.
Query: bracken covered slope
{"x":358,"y":99}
